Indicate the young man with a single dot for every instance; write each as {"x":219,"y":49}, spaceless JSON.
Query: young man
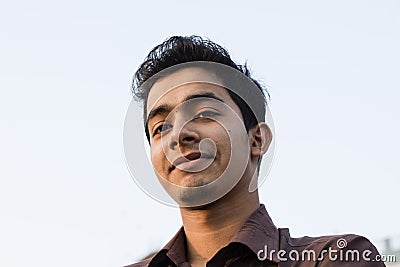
{"x":204,"y":120}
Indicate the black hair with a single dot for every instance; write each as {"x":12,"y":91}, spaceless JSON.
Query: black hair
{"x":182,"y":49}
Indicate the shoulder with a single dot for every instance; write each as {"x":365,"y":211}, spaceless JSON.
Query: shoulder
{"x":347,"y":249}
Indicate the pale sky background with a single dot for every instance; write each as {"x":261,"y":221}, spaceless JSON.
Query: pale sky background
{"x":66,"y":196}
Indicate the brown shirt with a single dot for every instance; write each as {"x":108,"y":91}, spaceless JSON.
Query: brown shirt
{"x":260,"y":243}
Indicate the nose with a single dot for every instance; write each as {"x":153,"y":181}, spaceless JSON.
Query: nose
{"x":183,"y":133}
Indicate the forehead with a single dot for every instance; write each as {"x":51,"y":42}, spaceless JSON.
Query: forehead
{"x":172,"y":89}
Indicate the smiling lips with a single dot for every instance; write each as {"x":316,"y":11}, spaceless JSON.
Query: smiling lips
{"x":194,"y":161}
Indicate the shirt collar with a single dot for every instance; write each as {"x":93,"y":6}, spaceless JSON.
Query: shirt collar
{"x":175,"y":250}
{"x":257,"y":233}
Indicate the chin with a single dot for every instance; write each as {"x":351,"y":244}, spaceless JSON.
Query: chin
{"x":193,"y":196}
{"x":193,"y":181}
{"x":197,"y":189}
{"x":189,"y":191}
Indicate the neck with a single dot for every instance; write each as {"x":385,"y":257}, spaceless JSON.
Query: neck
{"x":212,"y":227}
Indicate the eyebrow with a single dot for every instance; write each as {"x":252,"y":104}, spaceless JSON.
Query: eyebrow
{"x":200,"y":95}
{"x":163,"y":109}
{"x":160,"y":110}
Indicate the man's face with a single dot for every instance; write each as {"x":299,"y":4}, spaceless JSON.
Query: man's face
{"x":192,"y":127}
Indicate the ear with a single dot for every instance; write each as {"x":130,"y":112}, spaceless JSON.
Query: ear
{"x":260,"y":137}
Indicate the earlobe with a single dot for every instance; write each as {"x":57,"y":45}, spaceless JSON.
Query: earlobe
{"x":260,"y":139}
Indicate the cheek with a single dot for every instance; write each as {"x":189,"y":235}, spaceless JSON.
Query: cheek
{"x":156,"y":154}
{"x":233,"y":137}
{"x":223,"y":142}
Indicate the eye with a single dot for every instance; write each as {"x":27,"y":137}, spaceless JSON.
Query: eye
{"x":163,"y":127}
{"x":206,"y":114}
